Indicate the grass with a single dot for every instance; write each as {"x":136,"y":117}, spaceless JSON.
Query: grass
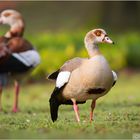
{"x":117,"y":115}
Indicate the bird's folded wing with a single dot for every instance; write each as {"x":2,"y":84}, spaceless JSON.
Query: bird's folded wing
{"x":69,"y":66}
{"x":18,"y":44}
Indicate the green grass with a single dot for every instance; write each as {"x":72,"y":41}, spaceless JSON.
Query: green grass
{"x":117,"y":115}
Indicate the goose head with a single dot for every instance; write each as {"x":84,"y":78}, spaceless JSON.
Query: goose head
{"x":97,"y":36}
{"x":14,"y":19}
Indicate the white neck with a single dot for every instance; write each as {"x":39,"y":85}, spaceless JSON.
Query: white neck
{"x":92,"y":49}
{"x":16,"y":29}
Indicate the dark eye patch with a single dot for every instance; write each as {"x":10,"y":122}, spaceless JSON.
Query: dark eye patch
{"x":6,"y":14}
{"x":104,"y":37}
{"x":98,"y":33}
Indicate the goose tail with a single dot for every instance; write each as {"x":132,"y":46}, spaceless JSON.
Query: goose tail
{"x":54,"y":104}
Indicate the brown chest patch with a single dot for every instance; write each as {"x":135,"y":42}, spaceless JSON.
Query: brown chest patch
{"x":18,"y":44}
{"x":96,"y":90}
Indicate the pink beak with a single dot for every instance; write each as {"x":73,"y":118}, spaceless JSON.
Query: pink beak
{"x":108,"y":40}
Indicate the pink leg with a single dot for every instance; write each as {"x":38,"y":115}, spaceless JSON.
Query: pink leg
{"x":15,"y":106}
{"x":93,"y":104}
{"x":0,"y":98}
{"x":75,"y":107}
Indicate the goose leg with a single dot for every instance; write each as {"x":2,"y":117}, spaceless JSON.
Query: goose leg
{"x":93,"y":104}
{"x":75,"y":107}
{"x":0,"y":98}
{"x":15,"y":106}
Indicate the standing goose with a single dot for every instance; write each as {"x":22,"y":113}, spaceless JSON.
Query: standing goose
{"x":17,"y":55}
{"x":80,"y":79}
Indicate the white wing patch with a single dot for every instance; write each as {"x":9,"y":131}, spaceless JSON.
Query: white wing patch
{"x":114,"y":75}
{"x":29,"y":58}
{"x":62,"y":78}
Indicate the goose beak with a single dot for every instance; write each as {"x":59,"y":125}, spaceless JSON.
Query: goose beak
{"x":108,"y":40}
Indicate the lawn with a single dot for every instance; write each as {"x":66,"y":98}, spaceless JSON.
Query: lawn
{"x":117,"y":115}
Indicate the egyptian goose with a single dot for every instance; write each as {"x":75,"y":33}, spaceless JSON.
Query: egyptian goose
{"x":80,"y":79}
{"x":17,"y":55}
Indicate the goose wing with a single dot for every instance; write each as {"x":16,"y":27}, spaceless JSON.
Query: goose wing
{"x":68,"y":66}
{"x":18,"y":44}
{"x":62,"y":77}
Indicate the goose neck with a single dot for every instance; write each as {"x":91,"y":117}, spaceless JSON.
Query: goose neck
{"x":16,"y":30}
{"x":92,"y":50}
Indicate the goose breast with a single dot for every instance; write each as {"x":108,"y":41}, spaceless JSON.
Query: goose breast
{"x":94,"y":74}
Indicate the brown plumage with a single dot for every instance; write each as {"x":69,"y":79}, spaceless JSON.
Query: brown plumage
{"x":81,"y":79}
{"x":69,"y":65}
{"x":13,"y":45}
{"x":17,"y":55}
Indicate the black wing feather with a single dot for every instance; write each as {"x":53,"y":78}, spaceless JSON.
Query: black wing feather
{"x":53,"y":76}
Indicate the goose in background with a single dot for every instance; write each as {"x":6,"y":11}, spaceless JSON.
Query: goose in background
{"x":81,"y":79}
{"x":17,"y":55}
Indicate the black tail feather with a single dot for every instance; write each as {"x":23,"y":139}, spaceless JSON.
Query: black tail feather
{"x":56,"y":100}
{"x":113,"y":83}
{"x":54,"y":104}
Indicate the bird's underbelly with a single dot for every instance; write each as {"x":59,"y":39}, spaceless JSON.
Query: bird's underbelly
{"x":89,"y":83}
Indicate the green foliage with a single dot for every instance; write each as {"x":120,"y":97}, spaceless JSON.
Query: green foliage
{"x":131,"y":45}
{"x":55,"y":49}
{"x":115,"y":56}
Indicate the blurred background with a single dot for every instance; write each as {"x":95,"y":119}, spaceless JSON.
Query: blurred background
{"x":57,"y":29}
